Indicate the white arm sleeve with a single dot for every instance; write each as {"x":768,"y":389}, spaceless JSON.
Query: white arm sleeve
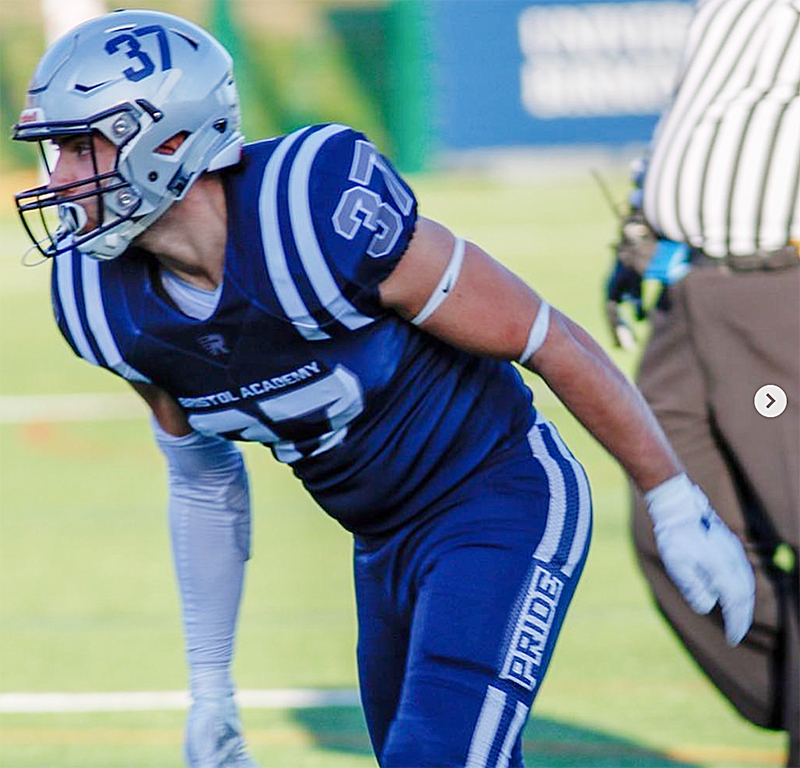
{"x":209,"y":517}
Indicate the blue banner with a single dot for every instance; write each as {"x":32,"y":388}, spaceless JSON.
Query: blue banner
{"x":519,"y":73}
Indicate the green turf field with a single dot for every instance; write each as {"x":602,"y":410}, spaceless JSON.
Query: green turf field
{"x":87,"y":599}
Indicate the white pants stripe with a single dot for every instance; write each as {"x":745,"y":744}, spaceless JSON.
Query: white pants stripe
{"x":520,"y":716}
{"x":557,"y":512}
{"x":487,"y":730}
{"x":582,"y":527}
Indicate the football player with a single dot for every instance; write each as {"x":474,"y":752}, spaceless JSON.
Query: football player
{"x":288,"y":292}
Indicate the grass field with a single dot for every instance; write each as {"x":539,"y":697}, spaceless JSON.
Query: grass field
{"x":87,"y":600}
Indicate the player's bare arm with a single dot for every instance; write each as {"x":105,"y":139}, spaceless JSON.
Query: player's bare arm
{"x":489,"y":310}
{"x":166,"y":411}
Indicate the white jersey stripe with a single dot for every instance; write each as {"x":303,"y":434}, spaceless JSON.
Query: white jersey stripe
{"x":486,"y":728}
{"x":69,"y":304}
{"x":520,"y":716}
{"x":305,"y":237}
{"x":98,"y":322}
{"x":274,"y":253}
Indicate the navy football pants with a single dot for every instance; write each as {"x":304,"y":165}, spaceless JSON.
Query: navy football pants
{"x":458,"y":615}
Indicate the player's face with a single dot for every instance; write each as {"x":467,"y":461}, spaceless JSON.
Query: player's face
{"x":80,"y":159}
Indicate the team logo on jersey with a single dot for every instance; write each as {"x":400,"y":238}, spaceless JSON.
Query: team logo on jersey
{"x":528,"y":643}
{"x":213,"y":344}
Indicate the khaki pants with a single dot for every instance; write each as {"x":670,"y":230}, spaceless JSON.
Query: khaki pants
{"x":725,"y":335}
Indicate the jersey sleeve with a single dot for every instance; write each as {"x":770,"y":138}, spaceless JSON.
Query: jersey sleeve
{"x":363,"y":213}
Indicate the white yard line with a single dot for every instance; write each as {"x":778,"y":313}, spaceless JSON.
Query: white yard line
{"x":91,"y":406}
{"x":26,"y":409}
{"x":141,"y":701}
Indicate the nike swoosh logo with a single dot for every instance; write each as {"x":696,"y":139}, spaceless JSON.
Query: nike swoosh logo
{"x":87,"y":88}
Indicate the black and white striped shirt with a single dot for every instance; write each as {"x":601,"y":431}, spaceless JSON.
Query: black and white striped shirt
{"x":724,"y":166}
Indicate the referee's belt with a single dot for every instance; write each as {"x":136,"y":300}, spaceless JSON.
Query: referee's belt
{"x":760,"y":260}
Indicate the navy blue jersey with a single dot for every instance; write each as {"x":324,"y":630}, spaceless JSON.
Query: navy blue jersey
{"x":377,"y":418}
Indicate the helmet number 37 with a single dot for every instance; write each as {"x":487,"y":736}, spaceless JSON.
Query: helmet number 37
{"x":133,"y":50}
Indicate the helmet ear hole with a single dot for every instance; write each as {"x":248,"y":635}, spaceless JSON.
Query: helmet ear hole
{"x":173,"y":143}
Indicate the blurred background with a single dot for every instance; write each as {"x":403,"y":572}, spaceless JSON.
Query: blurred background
{"x":427,"y":80}
{"x":500,"y":113}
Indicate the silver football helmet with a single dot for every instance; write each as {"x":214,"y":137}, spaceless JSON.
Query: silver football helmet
{"x":138,"y":78}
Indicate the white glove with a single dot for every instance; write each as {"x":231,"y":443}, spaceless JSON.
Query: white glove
{"x":214,"y":734}
{"x":702,"y":556}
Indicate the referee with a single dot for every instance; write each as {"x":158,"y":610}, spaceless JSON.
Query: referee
{"x":720,"y":193}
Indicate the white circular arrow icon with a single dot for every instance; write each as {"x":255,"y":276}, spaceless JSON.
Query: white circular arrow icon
{"x":770,"y":401}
